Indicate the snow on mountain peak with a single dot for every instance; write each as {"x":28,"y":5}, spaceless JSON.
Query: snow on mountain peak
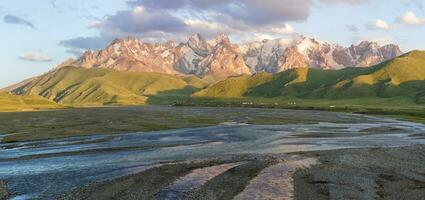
{"x":219,"y":39}
{"x":219,"y":56}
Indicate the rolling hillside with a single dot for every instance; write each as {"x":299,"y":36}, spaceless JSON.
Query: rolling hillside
{"x":9,"y":102}
{"x":402,"y":76}
{"x":81,"y":86}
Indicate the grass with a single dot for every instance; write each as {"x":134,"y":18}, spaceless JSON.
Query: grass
{"x":90,"y":121}
{"x":395,"y":88}
{"x":402,"y":76}
{"x":10,"y":102}
{"x":26,"y":126}
{"x":401,"y":108}
{"x":90,"y":87}
{"x":4,"y":193}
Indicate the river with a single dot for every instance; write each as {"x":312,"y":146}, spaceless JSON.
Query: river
{"x":46,"y":169}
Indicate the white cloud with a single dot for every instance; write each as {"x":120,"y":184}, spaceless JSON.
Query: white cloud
{"x":158,"y":20}
{"x":346,"y":1}
{"x":410,"y":18}
{"x":35,"y":56}
{"x":138,"y":9}
{"x":378,"y":24}
{"x":381,"y":40}
{"x":286,"y":29}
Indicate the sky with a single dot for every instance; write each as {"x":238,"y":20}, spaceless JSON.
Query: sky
{"x":37,"y":35}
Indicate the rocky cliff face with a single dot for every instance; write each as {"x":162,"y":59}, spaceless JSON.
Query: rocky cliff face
{"x":132,"y":55}
{"x":224,"y":59}
{"x":279,"y":55}
{"x":220,"y":57}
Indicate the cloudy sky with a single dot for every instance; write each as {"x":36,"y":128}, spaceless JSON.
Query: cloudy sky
{"x":39,"y":34}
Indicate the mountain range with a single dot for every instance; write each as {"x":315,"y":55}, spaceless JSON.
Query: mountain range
{"x":131,"y":72}
{"x":221,"y":58}
{"x":403,"y":76}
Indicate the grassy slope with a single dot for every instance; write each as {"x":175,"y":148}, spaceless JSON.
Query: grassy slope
{"x":403,"y":76}
{"x":400,"y":78}
{"x":80,"y":86}
{"x":234,"y":86}
{"x":392,"y":86}
{"x":395,"y":88}
{"x":10,"y":102}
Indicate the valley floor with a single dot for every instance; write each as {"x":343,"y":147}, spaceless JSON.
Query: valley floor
{"x":59,"y":123}
{"x":49,"y":124}
{"x":382,"y":173}
{"x":364,"y":173}
{"x":399,"y":108}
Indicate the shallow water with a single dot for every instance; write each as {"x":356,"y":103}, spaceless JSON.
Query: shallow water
{"x":47,"y":169}
{"x":193,"y":180}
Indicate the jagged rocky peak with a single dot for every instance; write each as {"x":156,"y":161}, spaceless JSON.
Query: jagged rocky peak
{"x":199,"y":45}
{"x":225,"y":59}
{"x":124,"y":42}
{"x":219,"y":39}
{"x":196,"y":40}
{"x":390,"y":51}
{"x":216,"y":57}
{"x":368,"y":53}
{"x":280,"y":54}
{"x":117,"y":41}
{"x":219,"y":56}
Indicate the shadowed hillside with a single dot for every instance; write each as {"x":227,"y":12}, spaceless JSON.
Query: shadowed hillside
{"x":81,"y":86}
{"x":402,"y":76}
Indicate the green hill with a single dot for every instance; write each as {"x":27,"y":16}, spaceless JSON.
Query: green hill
{"x":401,"y":77}
{"x":9,"y":102}
{"x":81,"y":86}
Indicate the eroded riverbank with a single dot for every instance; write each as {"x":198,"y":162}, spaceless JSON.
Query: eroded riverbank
{"x":121,"y":164}
{"x":379,"y":173}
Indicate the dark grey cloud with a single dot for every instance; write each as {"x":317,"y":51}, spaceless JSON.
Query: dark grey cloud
{"x":141,"y":20}
{"x":159,"y":4}
{"x":173,"y":5}
{"x":163,"y":19}
{"x":352,"y":28}
{"x":158,"y":20}
{"x":12,"y":19}
{"x":85,"y":43}
{"x":53,"y":3}
{"x":346,"y":1}
{"x":248,"y":11}
{"x":75,"y":52}
{"x":266,"y":12}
